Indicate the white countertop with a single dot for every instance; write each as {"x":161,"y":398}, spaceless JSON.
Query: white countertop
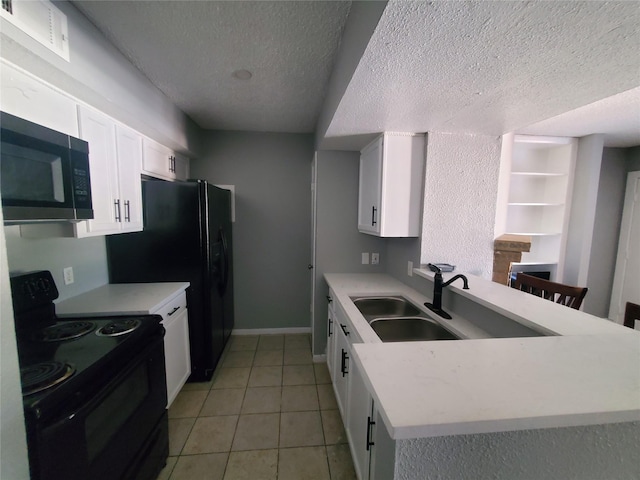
{"x":588,"y":374}
{"x":121,"y":298}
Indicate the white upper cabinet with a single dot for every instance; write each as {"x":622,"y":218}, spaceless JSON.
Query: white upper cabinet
{"x":161,"y":162}
{"x":391,"y":170}
{"x":115,"y":156}
{"x":129,"y":148}
{"x":539,"y":192}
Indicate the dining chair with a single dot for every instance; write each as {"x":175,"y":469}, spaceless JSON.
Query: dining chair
{"x":556,"y":292}
{"x":631,"y":314}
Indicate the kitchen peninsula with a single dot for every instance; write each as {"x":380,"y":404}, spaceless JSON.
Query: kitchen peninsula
{"x":562,"y":404}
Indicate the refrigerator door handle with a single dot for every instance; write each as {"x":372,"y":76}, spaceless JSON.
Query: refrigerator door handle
{"x":225,"y":260}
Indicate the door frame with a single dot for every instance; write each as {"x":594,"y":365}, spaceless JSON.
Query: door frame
{"x":312,"y":264}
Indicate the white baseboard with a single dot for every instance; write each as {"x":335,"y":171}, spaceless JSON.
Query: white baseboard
{"x":270,"y":331}
{"x":319,"y":359}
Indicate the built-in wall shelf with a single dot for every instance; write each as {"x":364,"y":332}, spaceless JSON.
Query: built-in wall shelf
{"x":539,"y":186}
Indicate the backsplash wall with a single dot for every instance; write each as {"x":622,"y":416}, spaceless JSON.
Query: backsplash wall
{"x":87,"y":256}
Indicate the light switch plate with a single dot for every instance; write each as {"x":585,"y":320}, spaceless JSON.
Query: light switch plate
{"x":365,"y":258}
{"x":410,"y":268}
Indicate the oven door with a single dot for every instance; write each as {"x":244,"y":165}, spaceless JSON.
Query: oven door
{"x":120,"y":432}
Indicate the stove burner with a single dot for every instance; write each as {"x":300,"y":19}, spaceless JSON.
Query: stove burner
{"x":119,"y":327}
{"x":63,"y":331}
{"x":41,"y":376}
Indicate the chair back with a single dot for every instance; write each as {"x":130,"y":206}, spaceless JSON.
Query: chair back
{"x":631,"y":314}
{"x":556,"y":292}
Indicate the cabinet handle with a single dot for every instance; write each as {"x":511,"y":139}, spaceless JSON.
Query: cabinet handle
{"x":116,"y":206}
{"x":330,"y":324}
{"x":373,"y":215}
{"x":174,"y":311}
{"x":370,"y":423}
{"x":127,"y":211}
{"x":329,"y":299}
{"x":344,"y":329}
{"x":343,"y":366}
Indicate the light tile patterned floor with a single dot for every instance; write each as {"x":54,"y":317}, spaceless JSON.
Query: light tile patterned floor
{"x":269,"y":413}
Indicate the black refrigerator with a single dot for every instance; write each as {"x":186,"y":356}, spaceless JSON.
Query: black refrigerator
{"x":186,"y":237}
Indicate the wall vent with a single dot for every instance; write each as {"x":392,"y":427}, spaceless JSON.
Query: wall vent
{"x":42,"y":21}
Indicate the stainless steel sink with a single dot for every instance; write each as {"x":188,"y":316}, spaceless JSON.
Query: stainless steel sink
{"x":409,"y":329}
{"x":374,"y":307}
{"x":396,"y":319}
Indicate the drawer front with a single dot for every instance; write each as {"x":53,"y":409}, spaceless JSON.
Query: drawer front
{"x":173,"y":308}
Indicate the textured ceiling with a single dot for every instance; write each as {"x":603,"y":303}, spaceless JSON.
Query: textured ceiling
{"x":466,"y":66}
{"x":492,"y":67}
{"x":189,"y":50}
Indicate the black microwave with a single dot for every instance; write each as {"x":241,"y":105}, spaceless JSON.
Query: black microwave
{"x":44,"y":174}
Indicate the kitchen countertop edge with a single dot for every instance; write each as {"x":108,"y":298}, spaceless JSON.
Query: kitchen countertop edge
{"x":372,"y":357}
{"x":121,"y":299}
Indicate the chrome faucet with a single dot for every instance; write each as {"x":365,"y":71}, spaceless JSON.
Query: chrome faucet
{"x":438,"y":285}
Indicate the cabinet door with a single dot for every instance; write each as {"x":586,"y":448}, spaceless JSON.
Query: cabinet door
{"x":180,"y":167}
{"x":176,"y":351}
{"x":129,"y":147}
{"x":342,"y":367}
{"x":331,"y":341}
{"x":370,"y":187}
{"x":99,"y":131}
{"x":157,"y":160}
{"x":360,"y":423}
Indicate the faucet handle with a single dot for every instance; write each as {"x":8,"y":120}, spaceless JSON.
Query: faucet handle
{"x":434,"y":268}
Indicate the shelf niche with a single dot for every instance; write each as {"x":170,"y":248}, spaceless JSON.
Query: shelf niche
{"x":538,"y":201}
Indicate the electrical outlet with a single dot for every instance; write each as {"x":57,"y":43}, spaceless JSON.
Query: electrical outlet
{"x":365,"y":258}
{"x":410,"y":268}
{"x":375,"y":258}
{"x":68,"y":275}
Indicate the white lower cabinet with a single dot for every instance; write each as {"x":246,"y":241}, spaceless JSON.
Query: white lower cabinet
{"x":372,"y":449}
{"x":175,"y":320}
{"x":331,"y":336}
{"x":344,"y":335}
{"x":360,"y":422}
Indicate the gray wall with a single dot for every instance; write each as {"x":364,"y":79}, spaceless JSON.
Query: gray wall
{"x":272,"y":232}
{"x":87,"y":256}
{"x":633,"y":159}
{"x":596,"y":213}
{"x":583,"y":205}
{"x":606,"y":231}
{"x":339,"y":245}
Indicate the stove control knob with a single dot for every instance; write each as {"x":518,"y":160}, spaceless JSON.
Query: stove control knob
{"x":29,"y":288}
{"x":42,"y":285}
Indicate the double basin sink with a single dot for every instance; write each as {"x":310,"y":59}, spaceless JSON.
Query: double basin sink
{"x":395,"y":319}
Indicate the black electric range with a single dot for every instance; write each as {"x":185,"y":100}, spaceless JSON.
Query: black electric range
{"x":97,"y":384}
